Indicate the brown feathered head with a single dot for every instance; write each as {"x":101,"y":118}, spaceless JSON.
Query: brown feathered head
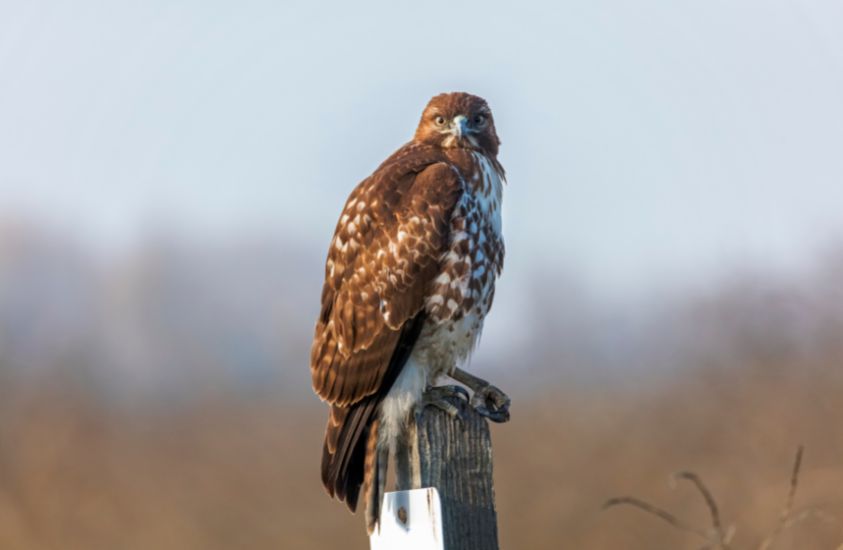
{"x":458,"y":119}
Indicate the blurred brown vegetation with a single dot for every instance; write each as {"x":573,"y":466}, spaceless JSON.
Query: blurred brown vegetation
{"x":163,"y":402}
{"x":224,"y":472}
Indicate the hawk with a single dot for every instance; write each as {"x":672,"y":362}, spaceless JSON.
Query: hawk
{"x":409,"y":279}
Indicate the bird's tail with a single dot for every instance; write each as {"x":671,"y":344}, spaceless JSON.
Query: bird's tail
{"x":351,"y":459}
{"x":344,"y":451}
{"x":350,"y":455}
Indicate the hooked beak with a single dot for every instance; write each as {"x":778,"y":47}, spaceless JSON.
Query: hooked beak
{"x":459,"y":127}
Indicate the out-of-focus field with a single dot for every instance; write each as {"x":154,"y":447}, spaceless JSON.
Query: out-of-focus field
{"x":225,"y":473}
{"x":161,"y":400}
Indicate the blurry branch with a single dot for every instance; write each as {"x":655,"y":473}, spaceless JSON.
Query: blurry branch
{"x":656,"y":511}
{"x":721,"y":538}
{"x":716,"y":537}
{"x":787,"y":518}
{"x":787,"y":511}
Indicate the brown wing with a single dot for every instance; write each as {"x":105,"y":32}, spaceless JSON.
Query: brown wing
{"x":385,"y":252}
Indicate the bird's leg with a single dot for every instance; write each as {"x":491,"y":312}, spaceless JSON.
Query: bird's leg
{"x":488,"y":400}
{"x":440,"y":396}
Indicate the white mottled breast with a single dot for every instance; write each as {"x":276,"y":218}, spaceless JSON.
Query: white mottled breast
{"x":460,"y":297}
{"x":491,"y":193}
{"x":465,"y":287}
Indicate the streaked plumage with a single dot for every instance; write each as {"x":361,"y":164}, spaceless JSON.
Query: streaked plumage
{"x":408,"y":281}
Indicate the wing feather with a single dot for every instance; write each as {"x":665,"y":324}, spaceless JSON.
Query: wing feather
{"x":384,"y":256}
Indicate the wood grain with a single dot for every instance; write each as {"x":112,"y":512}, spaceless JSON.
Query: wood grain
{"x":454,"y":454}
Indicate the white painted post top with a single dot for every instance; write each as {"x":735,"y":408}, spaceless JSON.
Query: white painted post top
{"x":410,"y":520}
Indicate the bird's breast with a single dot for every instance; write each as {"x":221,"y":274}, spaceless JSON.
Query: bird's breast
{"x":462,"y":294}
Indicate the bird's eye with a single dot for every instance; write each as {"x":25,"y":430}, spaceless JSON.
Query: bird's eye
{"x":439,"y":120}
{"x":480,"y":120}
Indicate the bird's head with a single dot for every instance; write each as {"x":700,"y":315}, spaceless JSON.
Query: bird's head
{"x":458,"y":119}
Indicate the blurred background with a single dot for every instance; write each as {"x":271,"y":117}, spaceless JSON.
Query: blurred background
{"x":170,"y":176}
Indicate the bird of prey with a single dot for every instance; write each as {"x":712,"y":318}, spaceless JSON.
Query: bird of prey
{"x":409,"y":278}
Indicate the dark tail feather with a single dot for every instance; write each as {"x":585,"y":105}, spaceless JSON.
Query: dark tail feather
{"x":345,"y":454}
{"x":341,"y":450}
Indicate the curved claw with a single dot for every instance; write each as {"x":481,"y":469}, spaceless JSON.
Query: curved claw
{"x":491,"y":402}
{"x":437,"y":396}
{"x":459,"y":390}
{"x":452,"y":390}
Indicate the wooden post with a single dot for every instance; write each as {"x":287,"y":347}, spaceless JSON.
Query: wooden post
{"x":454,"y":455}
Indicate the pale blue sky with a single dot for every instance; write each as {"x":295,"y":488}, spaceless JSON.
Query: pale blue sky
{"x":645,"y":142}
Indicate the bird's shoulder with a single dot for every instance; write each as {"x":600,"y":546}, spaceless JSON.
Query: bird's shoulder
{"x":413,"y":178}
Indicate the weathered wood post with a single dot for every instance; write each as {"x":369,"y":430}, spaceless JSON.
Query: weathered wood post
{"x":453,"y":455}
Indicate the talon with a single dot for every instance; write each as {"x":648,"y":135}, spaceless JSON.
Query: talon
{"x":460,"y":391}
{"x":438,"y":396}
{"x":491,"y":402}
